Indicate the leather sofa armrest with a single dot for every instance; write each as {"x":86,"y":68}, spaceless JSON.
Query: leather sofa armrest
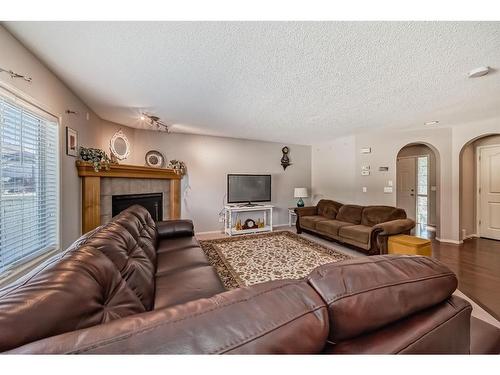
{"x":274,"y":317}
{"x":390,"y":228}
{"x":306,"y":211}
{"x":355,"y":289}
{"x":441,"y":329}
{"x":175,"y":228}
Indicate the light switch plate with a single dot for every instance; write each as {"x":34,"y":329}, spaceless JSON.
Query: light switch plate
{"x":366,"y":150}
{"x":365,"y":167}
{"x":388,"y":189}
{"x":389,"y":183}
{"x":365,"y":173}
{"x":365,"y":189}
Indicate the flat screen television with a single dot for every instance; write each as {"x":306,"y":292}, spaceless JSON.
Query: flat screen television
{"x":248,"y":188}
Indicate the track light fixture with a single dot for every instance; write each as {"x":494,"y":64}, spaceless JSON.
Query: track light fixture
{"x":155,"y":122}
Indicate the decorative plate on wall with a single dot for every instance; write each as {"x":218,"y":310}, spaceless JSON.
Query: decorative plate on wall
{"x":155,"y":159}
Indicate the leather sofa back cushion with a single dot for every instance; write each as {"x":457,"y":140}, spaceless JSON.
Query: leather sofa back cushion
{"x":276,"y":317}
{"x":75,"y":290}
{"x":373,"y":215}
{"x":364,"y":294}
{"x":328,"y":208}
{"x":129,"y":242}
{"x":350,"y":213}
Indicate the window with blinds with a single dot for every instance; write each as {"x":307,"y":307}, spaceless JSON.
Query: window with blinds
{"x":28,"y":183}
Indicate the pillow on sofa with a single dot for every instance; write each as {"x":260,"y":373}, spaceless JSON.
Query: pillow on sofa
{"x":373,"y":215}
{"x":350,"y":213}
{"x":328,"y":208}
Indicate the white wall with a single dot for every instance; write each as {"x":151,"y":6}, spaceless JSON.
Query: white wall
{"x":209,"y":159}
{"x":333,"y":170}
{"x":53,"y":95}
{"x":445,"y":142}
{"x":384,"y":149}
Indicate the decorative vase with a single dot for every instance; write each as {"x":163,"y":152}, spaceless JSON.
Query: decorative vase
{"x":300,"y":203}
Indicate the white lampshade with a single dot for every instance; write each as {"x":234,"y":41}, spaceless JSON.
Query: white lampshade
{"x":300,"y":193}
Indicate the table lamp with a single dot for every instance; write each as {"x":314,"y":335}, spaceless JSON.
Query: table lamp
{"x":300,"y":193}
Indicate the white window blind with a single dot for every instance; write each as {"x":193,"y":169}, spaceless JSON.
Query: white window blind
{"x":28,"y":183}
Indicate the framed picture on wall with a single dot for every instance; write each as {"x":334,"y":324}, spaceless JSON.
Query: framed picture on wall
{"x":71,"y":142}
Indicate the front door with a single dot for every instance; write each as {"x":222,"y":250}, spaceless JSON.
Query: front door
{"x":406,"y":183}
{"x":489,"y":192}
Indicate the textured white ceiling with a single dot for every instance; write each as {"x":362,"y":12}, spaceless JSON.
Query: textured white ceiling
{"x":281,"y":81}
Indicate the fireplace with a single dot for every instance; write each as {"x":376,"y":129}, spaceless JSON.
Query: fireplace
{"x":151,"y":202}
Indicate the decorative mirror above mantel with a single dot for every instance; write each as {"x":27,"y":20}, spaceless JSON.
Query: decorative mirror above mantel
{"x":119,"y":145}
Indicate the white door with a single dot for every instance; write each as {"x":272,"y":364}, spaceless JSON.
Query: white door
{"x":489,"y":192}
{"x":406,"y":184}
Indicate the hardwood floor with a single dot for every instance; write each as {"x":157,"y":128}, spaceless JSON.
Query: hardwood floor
{"x":477,"y":265}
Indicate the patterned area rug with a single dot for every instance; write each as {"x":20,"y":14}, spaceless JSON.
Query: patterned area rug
{"x":253,"y":259}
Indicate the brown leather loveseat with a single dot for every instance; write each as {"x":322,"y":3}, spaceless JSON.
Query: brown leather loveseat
{"x":135,"y":286}
{"x":366,"y":227}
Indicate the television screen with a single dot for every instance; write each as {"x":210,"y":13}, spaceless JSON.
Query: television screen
{"x":243,"y":188}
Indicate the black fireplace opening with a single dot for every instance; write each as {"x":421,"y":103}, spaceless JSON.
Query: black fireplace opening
{"x":152,"y":202}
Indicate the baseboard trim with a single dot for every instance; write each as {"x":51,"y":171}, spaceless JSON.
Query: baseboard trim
{"x":221,"y":231}
{"x":473,"y":235}
{"x":445,"y":240}
{"x":282,"y":225}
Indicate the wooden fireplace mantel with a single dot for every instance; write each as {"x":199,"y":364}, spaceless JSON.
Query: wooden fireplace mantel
{"x":91,"y":188}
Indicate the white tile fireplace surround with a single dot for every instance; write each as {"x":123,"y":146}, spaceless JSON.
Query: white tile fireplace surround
{"x":122,"y":186}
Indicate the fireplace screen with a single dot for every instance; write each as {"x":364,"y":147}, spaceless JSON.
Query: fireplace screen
{"x":151,"y":202}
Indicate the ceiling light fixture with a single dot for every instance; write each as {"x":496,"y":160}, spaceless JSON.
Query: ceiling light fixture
{"x":431,"y":123}
{"x":155,"y":122}
{"x":479,"y":72}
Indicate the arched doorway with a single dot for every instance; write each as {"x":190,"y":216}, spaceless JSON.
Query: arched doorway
{"x":480,"y":188}
{"x":417,"y":169}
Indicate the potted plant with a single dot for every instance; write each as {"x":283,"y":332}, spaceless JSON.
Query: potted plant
{"x":97,"y":157}
{"x":178,"y":166}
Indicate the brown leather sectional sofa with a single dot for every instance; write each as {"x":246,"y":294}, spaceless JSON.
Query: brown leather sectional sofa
{"x":367,"y":228}
{"x":135,"y":286}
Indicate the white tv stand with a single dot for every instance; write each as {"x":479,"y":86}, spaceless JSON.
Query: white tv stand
{"x":232,"y":211}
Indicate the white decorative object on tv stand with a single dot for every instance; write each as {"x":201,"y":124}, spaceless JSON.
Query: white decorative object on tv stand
{"x":231,"y":216}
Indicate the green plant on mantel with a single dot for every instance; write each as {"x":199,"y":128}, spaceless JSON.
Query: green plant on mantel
{"x":97,"y":157}
{"x":178,"y":166}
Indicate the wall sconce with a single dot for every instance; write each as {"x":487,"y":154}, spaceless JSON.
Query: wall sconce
{"x":155,"y":121}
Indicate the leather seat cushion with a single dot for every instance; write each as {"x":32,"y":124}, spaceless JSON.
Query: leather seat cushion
{"x":311,"y":221}
{"x":177,"y":244}
{"x":358,"y":233}
{"x":170,"y":261}
{"x":331,"y":226}
{"x":186,"y":285}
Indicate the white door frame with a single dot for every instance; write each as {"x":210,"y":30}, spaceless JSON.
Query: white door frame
{"x":416,"y":181}
{"x":478,"y":184}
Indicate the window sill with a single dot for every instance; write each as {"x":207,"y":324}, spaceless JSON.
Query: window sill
{"x":15,"y":273}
